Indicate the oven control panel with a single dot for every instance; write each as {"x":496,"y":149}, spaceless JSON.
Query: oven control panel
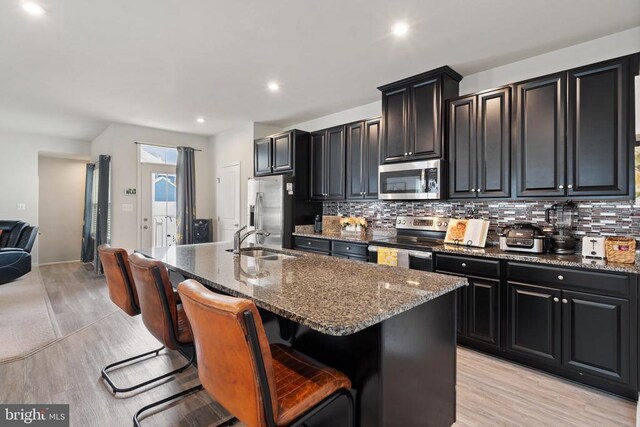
{"x":428,"y":223}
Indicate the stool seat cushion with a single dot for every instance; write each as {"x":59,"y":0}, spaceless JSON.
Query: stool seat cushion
{"x":301,"y":383}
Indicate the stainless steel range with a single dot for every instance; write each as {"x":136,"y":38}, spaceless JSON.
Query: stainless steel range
{"x":416,"y":236}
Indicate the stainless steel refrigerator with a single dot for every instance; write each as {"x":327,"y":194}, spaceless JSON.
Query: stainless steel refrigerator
{"x":274,"y":204}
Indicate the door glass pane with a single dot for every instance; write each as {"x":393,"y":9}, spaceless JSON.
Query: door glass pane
{"x":163,"y":209}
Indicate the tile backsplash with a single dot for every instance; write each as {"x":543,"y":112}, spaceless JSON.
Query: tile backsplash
{"x":621,"y":217}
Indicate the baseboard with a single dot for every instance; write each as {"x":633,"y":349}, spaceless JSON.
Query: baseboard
{"x":58,"y":262}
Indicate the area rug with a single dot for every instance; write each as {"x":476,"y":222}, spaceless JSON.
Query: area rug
{"x":26,"y":324}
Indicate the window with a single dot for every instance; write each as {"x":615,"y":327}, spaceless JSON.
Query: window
{"x":157,"y":154}
{"x":164,"y":186}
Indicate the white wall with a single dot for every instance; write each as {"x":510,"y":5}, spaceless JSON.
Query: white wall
{"x":19,"y":172}
{"x":118,"y":141}
{"x":612,"y":46}
{"x":61,"y":208}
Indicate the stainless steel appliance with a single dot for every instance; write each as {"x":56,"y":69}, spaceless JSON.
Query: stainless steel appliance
{"x":416,"y":236}
{"x":561,"y":216}
{"x":522,"y":237}
{"x":275,"y":205}
{"x":420,"y":180}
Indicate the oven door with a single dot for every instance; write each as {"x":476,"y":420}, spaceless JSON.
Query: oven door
{"x":410,"y":181}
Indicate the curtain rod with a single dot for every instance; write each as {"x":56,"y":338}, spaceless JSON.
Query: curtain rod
{"x":158,"y":145}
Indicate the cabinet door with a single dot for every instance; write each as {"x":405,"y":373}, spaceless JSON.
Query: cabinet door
{"x":355,"y":160}
{"x":318,"y":150}
{"x":395,"y":116}
{"x":483,"y":310}
{"x":540,"y":137}
{"x":598,"y":137}
{"x":262,"y":156}
{"x":595,"y":337}
{"x":283,"y":152}
{"x":425,"y":105}
{"x":335,"y":165}
{"x":533,"y":322}
{"x":462,"y":148}
{"x":494,"y":144}
{"x":372,"y":137}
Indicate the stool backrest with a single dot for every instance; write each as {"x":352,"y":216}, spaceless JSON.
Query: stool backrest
{"x":122,"y":290}
{"x":234,"y":359}
{"x":157,"y":301}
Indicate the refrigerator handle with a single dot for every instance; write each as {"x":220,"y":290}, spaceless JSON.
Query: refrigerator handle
{"x":258,"y":216}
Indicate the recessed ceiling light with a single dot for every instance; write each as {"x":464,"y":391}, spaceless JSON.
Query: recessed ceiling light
{"x":273,"y":86}
{"x":400,"y":29}
{"x":33,"y":8}
{"x":200,"y":120}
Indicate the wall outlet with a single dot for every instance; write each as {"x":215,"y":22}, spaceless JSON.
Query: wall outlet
{"x":22,"y":207}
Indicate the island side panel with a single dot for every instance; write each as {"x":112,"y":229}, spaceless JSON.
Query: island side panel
{"x":418,"y":365}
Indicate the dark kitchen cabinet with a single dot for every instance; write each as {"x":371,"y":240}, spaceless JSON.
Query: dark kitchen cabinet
{"x":596,"y":335}
{"x":540,"y":136}
{"x":600,"y":133}
{"x":328,"y":150}
{"x":412,"y":115}
{"x":462,"y":147}
{"x":533,"y":322}
{"x":262,"y":156}
{"x":363,"y":146}
{"x":281,"y":153}
{"x":483,"y":298}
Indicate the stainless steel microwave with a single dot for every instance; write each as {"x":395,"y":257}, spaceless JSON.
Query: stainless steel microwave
{"x":421,"y":180}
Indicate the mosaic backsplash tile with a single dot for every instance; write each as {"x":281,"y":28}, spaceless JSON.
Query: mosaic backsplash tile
{"x":606,"y":218}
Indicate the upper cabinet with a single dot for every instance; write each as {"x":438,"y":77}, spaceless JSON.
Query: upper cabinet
{"x":600,"y":133}
{"x":328,"y":164}
{"x":479,"y":142}
{"x":281,"y":153}
{"x":412,"y":115}
{"x":574,"y":132}
{"x":363,"y":146}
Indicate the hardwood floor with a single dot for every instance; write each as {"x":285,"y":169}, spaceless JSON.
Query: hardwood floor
{"x":491,"y":392}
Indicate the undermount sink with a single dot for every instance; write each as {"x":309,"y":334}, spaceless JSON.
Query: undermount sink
{"x":264,"y":254}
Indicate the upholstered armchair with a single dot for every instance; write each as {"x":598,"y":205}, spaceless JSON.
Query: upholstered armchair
{"x":16,"y":242}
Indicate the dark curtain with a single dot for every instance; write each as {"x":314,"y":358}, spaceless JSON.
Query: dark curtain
{"x":185,"y":195}
{"x":103,"y":214}
{"x":86,"y":252}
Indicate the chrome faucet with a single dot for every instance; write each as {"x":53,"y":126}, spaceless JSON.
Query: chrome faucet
{"x":238,"y":238}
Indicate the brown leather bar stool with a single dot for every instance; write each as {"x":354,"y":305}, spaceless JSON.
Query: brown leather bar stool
{"x":260,"y":384}
{"x":161,"y":314}
{"x":122,"y":292}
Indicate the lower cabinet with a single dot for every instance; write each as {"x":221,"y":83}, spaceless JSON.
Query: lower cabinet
{"x":483,"y":312}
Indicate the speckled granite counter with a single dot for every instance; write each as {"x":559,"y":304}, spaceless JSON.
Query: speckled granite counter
{"x":330,"y":295}
{"x":548,"y":259}
{"x":346,"y":237}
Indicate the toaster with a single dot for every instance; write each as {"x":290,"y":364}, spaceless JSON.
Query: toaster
{"x":593,"y":247}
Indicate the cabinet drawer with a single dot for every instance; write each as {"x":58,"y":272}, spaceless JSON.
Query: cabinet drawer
{"x":304,"y":243}
{"x":467,"y":265}
{"x":589,"y":280}
{"x":347,"y":248}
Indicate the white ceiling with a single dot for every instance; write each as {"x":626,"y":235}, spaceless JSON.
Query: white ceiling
{"x":162,"y":63}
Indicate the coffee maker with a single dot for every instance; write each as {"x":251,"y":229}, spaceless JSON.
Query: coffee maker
{"x":560,"y":216}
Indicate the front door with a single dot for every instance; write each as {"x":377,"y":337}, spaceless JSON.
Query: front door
{"x":158,"y":205}
{"x":228,"y":201}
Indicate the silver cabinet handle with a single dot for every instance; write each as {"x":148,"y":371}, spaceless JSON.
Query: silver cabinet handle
{"x":555,"y":299}
{"x":348,"y":248}
{"x":478,"y":190}
{"x":364,"y":193}
{"x":309,"y":243}
{"x":564,"y":300}
{"x":569,"y":186}
{"x":406,"y":154}
{"x":561,"y":187}
{"x":560,"y":277}
{"x":464,"y":264}
{"x":410,"y":153}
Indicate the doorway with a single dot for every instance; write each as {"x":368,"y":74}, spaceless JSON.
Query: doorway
{"x":61,"y":184}
{"x":228,"y":201}
{"x":158,"y":205}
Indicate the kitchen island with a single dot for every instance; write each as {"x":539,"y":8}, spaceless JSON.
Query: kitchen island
{"x":391,"y":330}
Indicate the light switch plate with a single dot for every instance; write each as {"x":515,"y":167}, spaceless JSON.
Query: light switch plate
{"x":127,"y":207}
{"x":22,"y":207}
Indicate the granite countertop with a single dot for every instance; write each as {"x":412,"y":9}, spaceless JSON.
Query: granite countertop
{"x":337,"y":235}
{"x":330,"y":295}
{"x":549,"y":259}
